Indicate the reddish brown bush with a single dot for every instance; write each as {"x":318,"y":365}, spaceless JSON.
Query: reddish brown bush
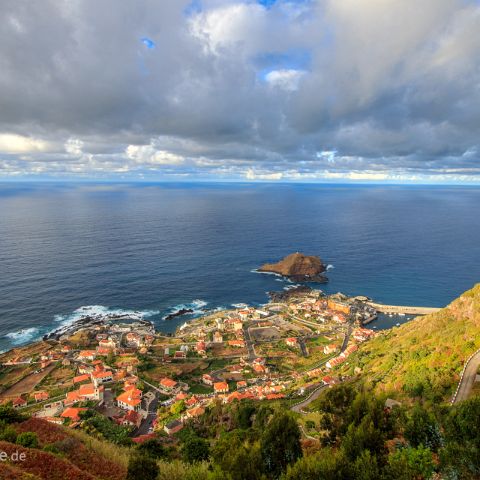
{"x":45,"y":465}
{"x":73,"y":449}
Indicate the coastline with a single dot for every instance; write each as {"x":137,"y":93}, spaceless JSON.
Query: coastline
{"x":178,"y":318}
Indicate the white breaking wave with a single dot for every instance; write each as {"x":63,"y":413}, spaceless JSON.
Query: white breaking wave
{"x":23,"y":336}
{"x":218,"y":309}
{"x":101,"y":313}
{"x":239,"y":305}
{"x":330,"y":267}
{"x":290,"y":287}
{"x":266,"y":273}
{"x":195,"y":305}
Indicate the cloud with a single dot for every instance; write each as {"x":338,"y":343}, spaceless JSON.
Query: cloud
{"x":147,"y":154}
{"x":74,"y":146}
{"x":237,"y":89}
{"x":284,"y":79}
{"x":13,"y":143}
{"x":250,"y":174}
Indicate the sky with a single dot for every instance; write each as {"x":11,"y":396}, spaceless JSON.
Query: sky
{"x":231,"y":90}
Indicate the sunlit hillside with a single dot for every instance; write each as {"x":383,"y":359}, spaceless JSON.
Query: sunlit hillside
{"x":424,"y":357}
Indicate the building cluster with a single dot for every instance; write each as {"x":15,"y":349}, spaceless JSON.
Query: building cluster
{"x":321,"y":310}
{"x":249,"y":378}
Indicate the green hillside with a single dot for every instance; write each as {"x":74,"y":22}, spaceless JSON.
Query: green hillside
{"x":349,"y":432}
{"x":424,"y":357}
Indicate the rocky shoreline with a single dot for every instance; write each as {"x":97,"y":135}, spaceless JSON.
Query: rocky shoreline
{"x":178,"y":313}
{"x":90,"y":321}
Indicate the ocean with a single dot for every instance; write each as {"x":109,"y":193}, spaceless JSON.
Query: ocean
{"x":154,"y":248}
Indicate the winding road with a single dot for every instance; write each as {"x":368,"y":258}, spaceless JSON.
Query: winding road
{"x":313,"y":396}
{"x":468,"y":378}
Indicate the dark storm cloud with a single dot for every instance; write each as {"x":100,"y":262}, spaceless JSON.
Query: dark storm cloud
{"x":333,"y":89}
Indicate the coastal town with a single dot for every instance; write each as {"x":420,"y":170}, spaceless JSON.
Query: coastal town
{"x":153,"y":384}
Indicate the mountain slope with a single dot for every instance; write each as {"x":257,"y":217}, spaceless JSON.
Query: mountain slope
{"x":61,"y":454}
{"x":424,"y":357}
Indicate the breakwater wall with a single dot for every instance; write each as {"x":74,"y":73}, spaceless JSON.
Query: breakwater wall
{"x":407,"y":310}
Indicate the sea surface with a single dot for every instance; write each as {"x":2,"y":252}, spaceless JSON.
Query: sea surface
{"x":156,"y":247}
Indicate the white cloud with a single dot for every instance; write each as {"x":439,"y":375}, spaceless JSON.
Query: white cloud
{"x":13,"y":143}
{"x":73,"y":146}
{"x":251,"y":174}
{"x":351,"y":92}
{"x":286,"y":79}
{"x":227,"y":26}
{"x":149,"y":155}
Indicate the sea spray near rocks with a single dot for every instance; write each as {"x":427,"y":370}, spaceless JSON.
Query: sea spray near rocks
{"x":196,"y":307}
{"x":24,"y":335}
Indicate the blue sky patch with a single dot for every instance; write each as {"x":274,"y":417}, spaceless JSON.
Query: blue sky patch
{"x":149,"y":43}
{"x":294,"y":59}
{"x":267,"y":3}
{"x":194,"y":7}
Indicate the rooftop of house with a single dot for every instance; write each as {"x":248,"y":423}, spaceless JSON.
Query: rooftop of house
{"x":168,"y":382}
{"x":195,"y":411}
{"x":72,"y":413}
{"x":219,"y":386}
{"x":130,"y":397}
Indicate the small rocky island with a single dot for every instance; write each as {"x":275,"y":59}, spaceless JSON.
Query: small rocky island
{"x":298,"y":268}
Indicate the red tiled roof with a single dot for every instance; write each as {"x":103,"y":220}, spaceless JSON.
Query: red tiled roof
{"x":130,"y":397}
{"x":81,"y":378}
{"x":168,"y":382}
{"x":195,"y":412}
{"x":41,"y":396}
{"x":104,"y":374}
{"x":191,"y":401}
{"x":220,"y":386}
{"x":72,"y":413}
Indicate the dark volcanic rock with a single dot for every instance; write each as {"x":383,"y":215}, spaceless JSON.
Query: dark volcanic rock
{"x":298,"y":268}
{"x":289,"y":294}
{"x":178,"y":313}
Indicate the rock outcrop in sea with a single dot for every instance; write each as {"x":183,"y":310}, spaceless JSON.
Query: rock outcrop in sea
{"x":298,"y":267}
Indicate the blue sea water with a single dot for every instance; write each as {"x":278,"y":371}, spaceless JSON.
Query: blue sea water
{"x":152,"y":247}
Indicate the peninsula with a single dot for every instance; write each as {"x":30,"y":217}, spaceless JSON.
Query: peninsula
{"x":298,"y":268}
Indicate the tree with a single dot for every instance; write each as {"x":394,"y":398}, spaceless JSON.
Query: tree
{"x":153,"y":448}
{"x":366,"y":467}
{"x":94,"y":423}
{"x":422,"y":428}
{"x":9,"y":415}
{"x":310,"y":424}
{"x":8,"y":434}
{"x":410,"y":464}
{"x":142,"y":467}
{"x":177,"y":407}
{"x":110,"y":359}
{"x":244,"y":415}
{"x":362,"y":437}
{"x":280,"y":443}
{"x":28,"y":439}
{"x":195,"y":449}
{"x":324,"y":465}
{"x":462,"y":431}
{"x":236,"y":457}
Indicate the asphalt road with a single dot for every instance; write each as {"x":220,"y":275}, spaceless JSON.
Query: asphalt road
{"x":468,"y":378}
{"x":147,"y":422}
{"x":313,"y":396}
